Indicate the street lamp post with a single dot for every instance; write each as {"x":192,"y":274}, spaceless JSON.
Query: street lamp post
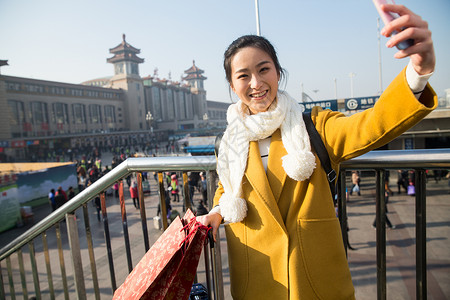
{"x":315,"y":92}
{"x":379,"y":58}
{"x":351,"y":75}
{"x":258,"y":27}
{"x":205,"y":119}
{"x":335,"y":88}
{"x":149,"y":119}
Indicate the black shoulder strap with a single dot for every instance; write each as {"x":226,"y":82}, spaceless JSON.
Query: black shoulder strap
{"x":321,"y":151}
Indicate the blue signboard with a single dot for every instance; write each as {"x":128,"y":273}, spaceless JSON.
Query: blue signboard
{"x":326,"y":104}
{"x":36,"y":142}
{"x":360,"y":103}
{"x":4,"y":144}
{"x":351,"y":104}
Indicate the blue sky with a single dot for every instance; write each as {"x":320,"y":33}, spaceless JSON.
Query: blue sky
{"x":317,"y":41}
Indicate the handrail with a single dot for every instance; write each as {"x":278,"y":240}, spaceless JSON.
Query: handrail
{"x":395,"y":159}
{"x":180,"y":163}
{"x":401,"y":159}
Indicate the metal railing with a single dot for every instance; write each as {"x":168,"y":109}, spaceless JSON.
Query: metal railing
{"x":419,"y":160}
{"x":97,"y":189}
{"x":380,"y":161}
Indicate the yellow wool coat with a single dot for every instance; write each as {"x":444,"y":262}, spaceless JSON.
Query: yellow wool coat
{"x":289,"y":246}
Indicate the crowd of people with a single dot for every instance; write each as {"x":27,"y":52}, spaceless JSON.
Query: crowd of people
{"x":67,"y":154}
{"x":90,"y":168}
{"x":196,"y":182}
{"x":59,"y":197}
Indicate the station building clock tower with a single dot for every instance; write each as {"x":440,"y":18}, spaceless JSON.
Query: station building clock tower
{"x":194,"y":77}
{"x":126,"y":77}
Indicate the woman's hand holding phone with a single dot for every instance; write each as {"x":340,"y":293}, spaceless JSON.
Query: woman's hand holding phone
{"x":402,"y":25}
{"x":388,"y":17}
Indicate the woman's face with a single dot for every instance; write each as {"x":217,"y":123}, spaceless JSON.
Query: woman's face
{"x":254,"y":78}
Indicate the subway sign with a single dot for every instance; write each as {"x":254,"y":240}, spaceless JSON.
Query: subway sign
{"x":361,"y":103}
{"x":350,"y":104}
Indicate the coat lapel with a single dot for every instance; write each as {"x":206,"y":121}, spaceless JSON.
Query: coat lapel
{"x":255,"y":174}
{"x":275,"y":172}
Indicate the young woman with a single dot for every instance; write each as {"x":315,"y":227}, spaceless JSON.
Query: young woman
{"x":284,"y":240}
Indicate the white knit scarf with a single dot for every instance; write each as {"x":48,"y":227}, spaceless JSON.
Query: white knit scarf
{"x":299,"y":163}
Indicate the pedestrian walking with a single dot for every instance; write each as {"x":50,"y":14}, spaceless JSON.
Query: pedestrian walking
{"x":98,"y":206}
{"x":60,"y":198}
{"x":204,"y":188}
{"x":134,"y":194}
{"x":174,"y":186}
{"x":356,"y":180}
{"x":388,"y":222}
{"x":51,"y":199}
{"x":386,"y":183}
{"x":402,"y":180}
{"x":70,"y":193}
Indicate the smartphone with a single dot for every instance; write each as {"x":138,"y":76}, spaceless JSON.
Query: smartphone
{"x":388,"y":17}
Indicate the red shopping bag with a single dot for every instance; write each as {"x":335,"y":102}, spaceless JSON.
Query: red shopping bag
{"x":167,"y":270}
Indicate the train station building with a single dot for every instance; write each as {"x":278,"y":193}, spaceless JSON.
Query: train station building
{"x":126,"y":109}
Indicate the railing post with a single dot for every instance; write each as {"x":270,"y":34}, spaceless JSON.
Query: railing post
{"x":77,"y":263}
{"x":207,"y":258}
{"x":187,"y":195}
{"x":12,"y":290}
{"x":61,"y":261}
{"x":381,"y":234}
{"x":162,"y":200}
{"x":108,"y":242}
{"x":90,"y":245}
{"x":142,"y":211}
{"x":421,"y":235}
{"x":22,"y":274}
{"x":47,"y":265}
{"x":37,"y":288}
{"x":211,"y":178}
{"x":216,"y":259}
{"x":126,"y":237}
{"x":2,"y":289}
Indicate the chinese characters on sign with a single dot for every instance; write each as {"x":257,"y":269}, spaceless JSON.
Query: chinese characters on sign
{"x":351,"y":104}
{"x":328,"y":104}
{"x":8,"y":179}
{"x":360,"y":103}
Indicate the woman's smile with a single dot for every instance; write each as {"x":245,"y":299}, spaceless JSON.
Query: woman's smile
{"x":258,"y":96}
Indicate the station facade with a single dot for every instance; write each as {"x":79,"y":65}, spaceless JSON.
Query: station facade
{"x":39,"y":117}
{"x":121,"y":110}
